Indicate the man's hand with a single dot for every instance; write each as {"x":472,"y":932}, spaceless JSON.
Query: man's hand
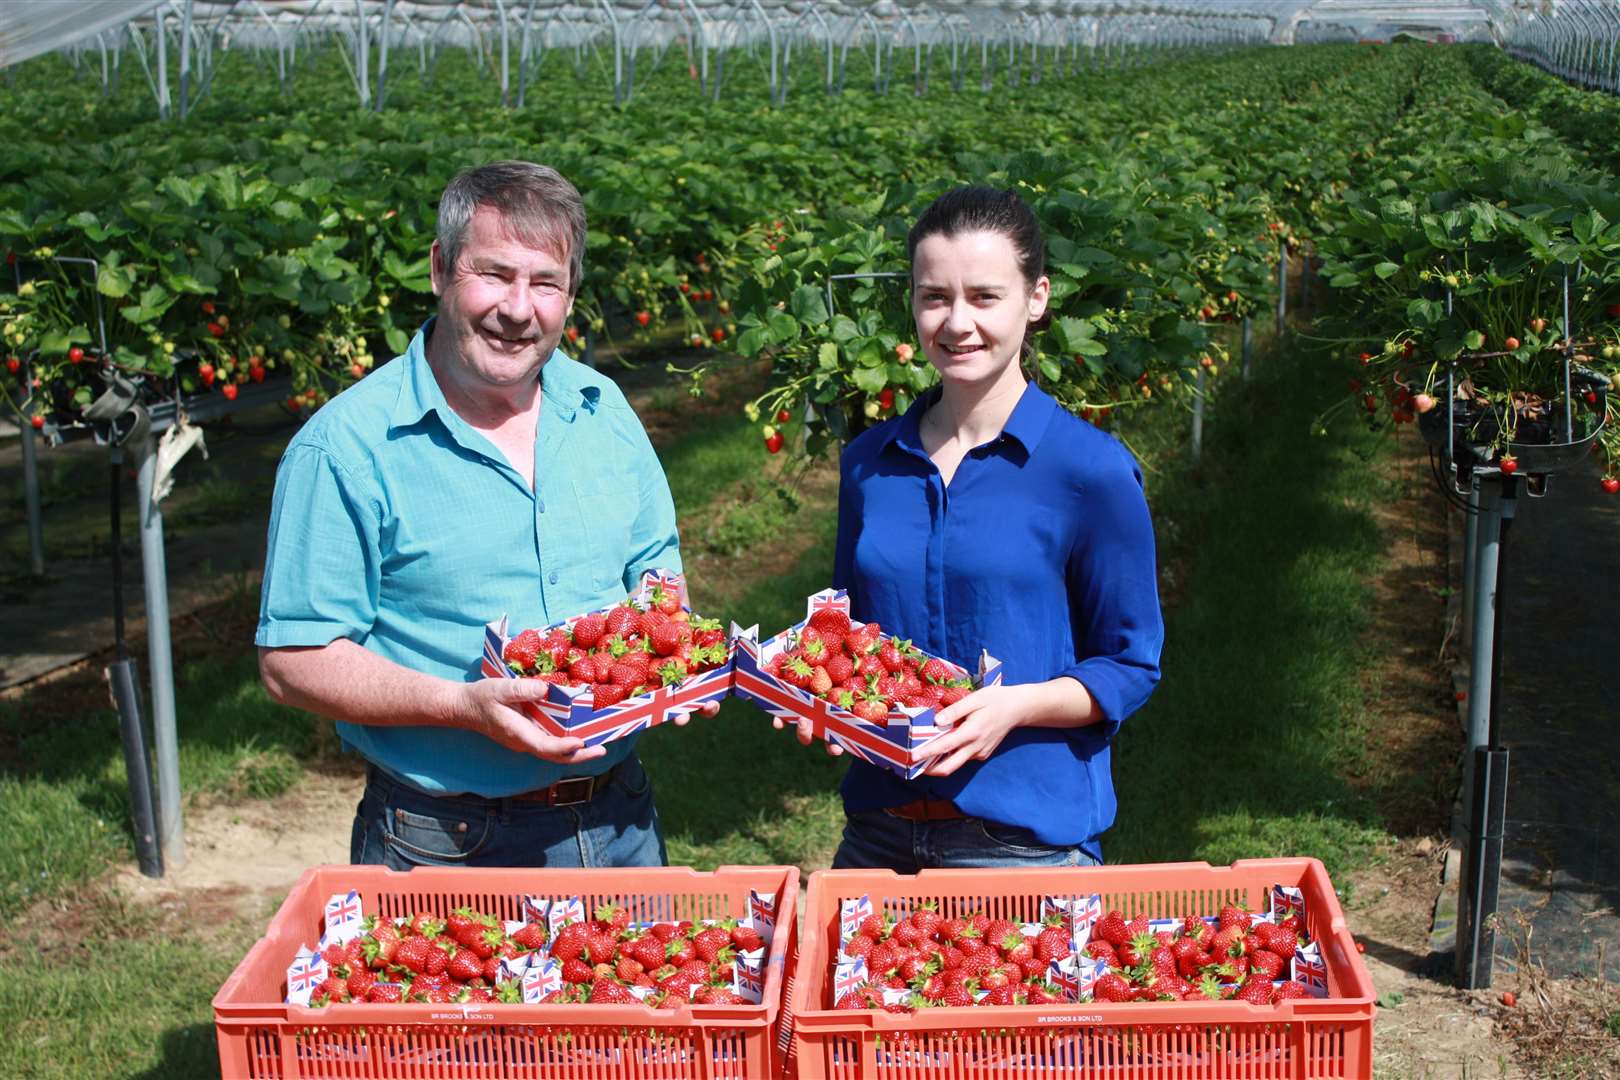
{"x":978,"y":723}
{"x":493,"y":707}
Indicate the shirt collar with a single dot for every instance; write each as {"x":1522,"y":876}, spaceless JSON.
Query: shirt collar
{"x":1026,"y":425}
{"x":420,"y":393}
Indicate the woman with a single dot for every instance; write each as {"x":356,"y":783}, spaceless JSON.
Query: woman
{"x":987,"y":517}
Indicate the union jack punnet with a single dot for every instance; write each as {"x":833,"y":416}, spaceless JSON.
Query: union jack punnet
{"x":847,"y":975}
{"x":306,"y":973}
{"x":900,"y":744}
{"x":571,"y":710}
{"x":343,"y":915}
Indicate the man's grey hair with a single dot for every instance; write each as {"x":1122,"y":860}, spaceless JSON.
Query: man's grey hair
{"x":536,"y":203}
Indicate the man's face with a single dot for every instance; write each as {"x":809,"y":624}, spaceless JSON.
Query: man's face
{"x":504,"y":303}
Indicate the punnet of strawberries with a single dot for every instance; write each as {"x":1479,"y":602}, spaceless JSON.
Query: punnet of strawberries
{"x":860,"y":668}
{"x":922,"y":960}
{"x":625,"y":651}
{"x":968,"y":960}
{"x":458,"y":959}
{"x":1234,"y":955}
{"x":427,"y":959}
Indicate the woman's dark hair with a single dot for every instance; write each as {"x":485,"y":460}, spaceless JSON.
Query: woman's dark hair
{"x":987,"y":209}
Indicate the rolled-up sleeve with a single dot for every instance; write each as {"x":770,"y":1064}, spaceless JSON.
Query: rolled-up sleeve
{"x":1118,"y":630}
{"x":322,"y":564}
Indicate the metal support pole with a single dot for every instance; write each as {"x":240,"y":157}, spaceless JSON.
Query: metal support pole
{"x":1198,"y":416}
{"x":160,"y":660}
{"x":1248,"y":347}
{"x":1282,"y":289}
{"x":122,"y":682}
{"x":1304,"y":285}
{"x":30,"y":464}
{"x":1485,"y":761}
{"x":162,"y":66}
{"x":1465,"y":638}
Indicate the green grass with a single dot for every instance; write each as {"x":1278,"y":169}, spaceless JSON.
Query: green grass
{"x":66,"y":792}
{"x":129,"y":1000}
{"x":1246,"y":747}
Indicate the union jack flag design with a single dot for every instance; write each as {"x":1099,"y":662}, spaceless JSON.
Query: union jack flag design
{"x":571,"y":710}
{"x":851,"y":913}
{"x":305,"y":974}
{"x":830,"y":600}
{"x":899,"y":745}
{"x":541,"y":979}
{"x":1065,"y":975}
{"x":554,"y":912}
{"x":847,"y":975}
{"x":1080,"y":914}
{"x":343,"y":917}
{"x":762,"y":913}
{"x":748,"y":977}
{"x":1308,"y":969}
{"x":1287,"y":900}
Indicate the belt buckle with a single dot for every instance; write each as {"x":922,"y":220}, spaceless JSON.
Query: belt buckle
{"x":573,"y":791}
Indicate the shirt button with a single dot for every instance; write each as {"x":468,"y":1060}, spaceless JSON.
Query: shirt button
{"x":540,"y":505}
{"x":552,"y":577}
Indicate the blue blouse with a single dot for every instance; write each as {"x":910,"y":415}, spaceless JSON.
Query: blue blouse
{"x":1040,"y":550}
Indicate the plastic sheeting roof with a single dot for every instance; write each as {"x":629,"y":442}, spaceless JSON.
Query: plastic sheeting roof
{"x":31,"y":27}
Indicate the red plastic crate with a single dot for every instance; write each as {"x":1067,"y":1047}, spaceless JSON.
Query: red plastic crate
{"x":261,"y":1037}
{"x":1302,"y":1039}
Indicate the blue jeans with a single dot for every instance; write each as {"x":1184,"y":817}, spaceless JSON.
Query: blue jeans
{"x":876,"y":840}
{"x":399,"y":827}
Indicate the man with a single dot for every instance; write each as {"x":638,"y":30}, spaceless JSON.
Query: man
{"x":482,"y":473}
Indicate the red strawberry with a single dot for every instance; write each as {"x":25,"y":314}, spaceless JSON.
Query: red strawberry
{"x":385,"y":993}
{"x":828,"y":620}
{"x":608,"y":694}
{"x":1112,"y":987}
{"x":874,"y":709}
{"x":1053,"y":943}
{"x":746,"y":939}
{"x":666,"y":637}
{"x":1255,"y":992}
{"x":588,"y":630}
{"x":605,"y":991}
{"x":622,"y":619}
{"x":464,"y":966}
{"x":708,"y":943}
{"x":1102,"y":950}
{"x":570,"y":942}
{"x":796,"y":671}
{"x":935,"y":671}
{"x":1113,"y":929}
{"x":821,"y":682}
{"x":1265,"y":963}
{"x":359,"y":983}
{"x":413,"y":954}
{"x":1232,"y":915}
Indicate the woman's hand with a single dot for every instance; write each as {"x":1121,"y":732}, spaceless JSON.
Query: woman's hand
{"x":708,"y":710}
{"x":806,"y":733}
{"x":978,"y":723}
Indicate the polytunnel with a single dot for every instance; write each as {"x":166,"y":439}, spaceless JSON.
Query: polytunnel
{"x":1294,"y":527}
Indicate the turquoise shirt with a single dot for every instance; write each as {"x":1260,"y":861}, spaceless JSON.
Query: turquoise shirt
{"x":398,"y":526}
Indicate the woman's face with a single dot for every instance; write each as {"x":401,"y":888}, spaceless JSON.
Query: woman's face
{"x":972,"y":305}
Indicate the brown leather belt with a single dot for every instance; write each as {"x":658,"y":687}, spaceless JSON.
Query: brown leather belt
{"x":567,"y":792}
{"x":927,"y":810}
